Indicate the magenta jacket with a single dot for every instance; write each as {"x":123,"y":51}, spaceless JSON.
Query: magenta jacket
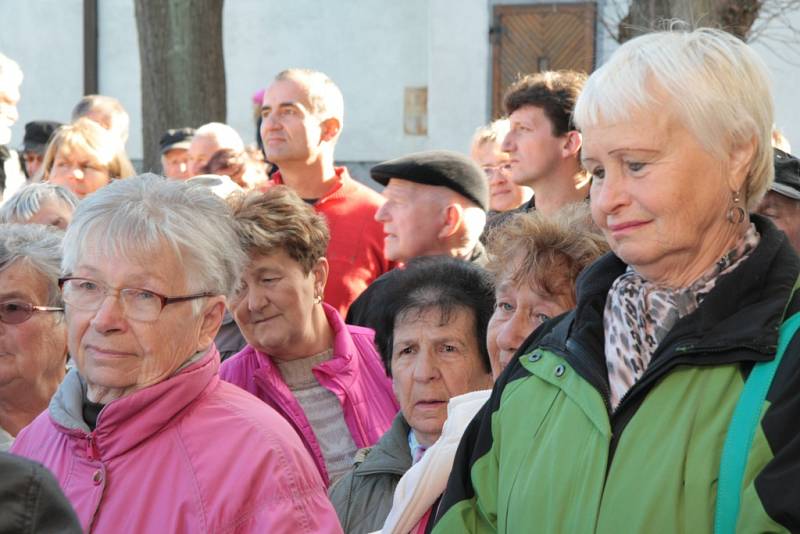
{"x":355,"y":375}
{"x":190,"y":454}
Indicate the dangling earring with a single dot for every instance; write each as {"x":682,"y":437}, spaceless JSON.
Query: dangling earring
{"x":736,"y":214}
{"x":317,"y":299}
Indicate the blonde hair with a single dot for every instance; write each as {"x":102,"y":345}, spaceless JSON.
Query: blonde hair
{"x":87,"y":136}
{"x":545,"y":252}
{"x":715,"y":84}
{"x":494,"y":132}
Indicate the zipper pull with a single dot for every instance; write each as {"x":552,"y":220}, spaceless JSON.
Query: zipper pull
{"x":91,"y":449}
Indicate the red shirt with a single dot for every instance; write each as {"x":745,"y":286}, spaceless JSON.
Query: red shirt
{"x":355,"y":252}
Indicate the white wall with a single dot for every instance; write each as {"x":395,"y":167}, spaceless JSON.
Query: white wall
{"x":459,"y":66}
{"x":46,"y":38}
{"x":373,"y":49}
{"x":118,"y":72}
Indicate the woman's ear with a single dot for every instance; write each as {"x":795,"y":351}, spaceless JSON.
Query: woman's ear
{"x":212,"y":320}
{"x":741,"y":159}
{"x":320,"y":272}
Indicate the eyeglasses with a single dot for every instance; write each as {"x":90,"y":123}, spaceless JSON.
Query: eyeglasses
{"x":137,"y":304}
{"x":16,"y":312}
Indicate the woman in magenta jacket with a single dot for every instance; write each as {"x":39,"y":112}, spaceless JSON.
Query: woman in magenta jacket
{"x":142,"y":435}
{"x":323,"y":376}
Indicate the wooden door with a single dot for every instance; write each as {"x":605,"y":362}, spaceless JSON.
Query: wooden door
{"x":538,"y":37}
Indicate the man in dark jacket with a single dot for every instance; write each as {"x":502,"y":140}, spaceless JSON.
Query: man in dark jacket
{"x":31,"y":502}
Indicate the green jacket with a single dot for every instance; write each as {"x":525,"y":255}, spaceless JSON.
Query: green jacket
{"x":546,"y":455}
{"x":363,"y":497}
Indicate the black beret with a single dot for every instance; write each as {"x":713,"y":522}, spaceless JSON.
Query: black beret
{"x":438,"y":167}
{"x":177,"y":138}
{"x":37,"y":135}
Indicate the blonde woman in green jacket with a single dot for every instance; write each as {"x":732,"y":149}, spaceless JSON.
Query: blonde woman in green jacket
{"x":613,"y":418}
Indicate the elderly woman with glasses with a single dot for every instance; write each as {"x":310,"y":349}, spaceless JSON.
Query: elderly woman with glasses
{"x":142,"y":435}
{"x":33,"y":335}
{"x":667,"y":400}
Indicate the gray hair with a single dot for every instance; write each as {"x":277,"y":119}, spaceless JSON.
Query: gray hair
{"x":10,"y":72}
{"x":37,"y":245}
{"x":225,"y":135}
{"x":112,"y":109}
{"x":27,"y":201}
{"x":140,"y":215}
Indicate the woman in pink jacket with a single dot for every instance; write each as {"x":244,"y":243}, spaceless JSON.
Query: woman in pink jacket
{"x":323,"y":376}
{"x":143,"y":436}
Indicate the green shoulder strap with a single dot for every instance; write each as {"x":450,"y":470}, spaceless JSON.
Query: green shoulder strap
{"x":742,"y":429}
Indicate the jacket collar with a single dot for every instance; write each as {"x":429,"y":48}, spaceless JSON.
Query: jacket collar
{"x":342,"y":366}
{"x":737,"y":321}
{"x":340,"y":190}
{"x":391,"y":454}
{"x":126,"y":422}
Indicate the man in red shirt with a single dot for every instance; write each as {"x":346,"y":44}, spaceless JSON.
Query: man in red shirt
{"x":302,"y":115}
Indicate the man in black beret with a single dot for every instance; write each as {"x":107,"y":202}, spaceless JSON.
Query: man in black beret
{"x":782,"y":202}
{"x":436,"y":205}
{"x":34,"y":143}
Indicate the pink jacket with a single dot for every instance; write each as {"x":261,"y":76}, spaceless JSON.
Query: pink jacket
{"x":355,"y":375}
{"x":190,"y":454}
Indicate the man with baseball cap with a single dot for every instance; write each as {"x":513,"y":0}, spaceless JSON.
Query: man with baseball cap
{"x":782,"y":202}
{"x":34,"y":143}
{"x":436,"y":205}
{"x":174,"y":146}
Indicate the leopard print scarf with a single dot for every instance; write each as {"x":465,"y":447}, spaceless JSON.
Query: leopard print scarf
{"x":639,"y":314}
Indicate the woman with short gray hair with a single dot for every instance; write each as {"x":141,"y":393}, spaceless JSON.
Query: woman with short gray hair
{"x":40,"y":203}
{"x":33,"y":335}
{"x":148,"y":265}
{"x":667,"y":400}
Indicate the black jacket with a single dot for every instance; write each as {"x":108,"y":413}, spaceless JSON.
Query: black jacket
{"x":31,"y":500}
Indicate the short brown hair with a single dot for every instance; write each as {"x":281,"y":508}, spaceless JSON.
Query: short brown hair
{"x":278,"y":220}
{"x":554,"y":91}
{"x":554,"y":249}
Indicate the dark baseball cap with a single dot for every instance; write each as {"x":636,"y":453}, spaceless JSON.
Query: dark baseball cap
{"x":37,"y":135}
{"x":438,"y":167}
{"x":176,"y":138}
{"x":787,"y":175}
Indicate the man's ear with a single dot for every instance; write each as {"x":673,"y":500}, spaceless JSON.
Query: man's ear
{"x":572,"y":144}
{"x":211,"y":321}
{"x":329,"y":129}
{"x":453,"y":219}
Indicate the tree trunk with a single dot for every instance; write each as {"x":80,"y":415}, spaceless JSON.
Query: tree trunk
{"x":734,"y":16}
{"x":183,"y":68}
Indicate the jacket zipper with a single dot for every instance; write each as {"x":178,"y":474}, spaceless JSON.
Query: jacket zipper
{"x":91,"y":449}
